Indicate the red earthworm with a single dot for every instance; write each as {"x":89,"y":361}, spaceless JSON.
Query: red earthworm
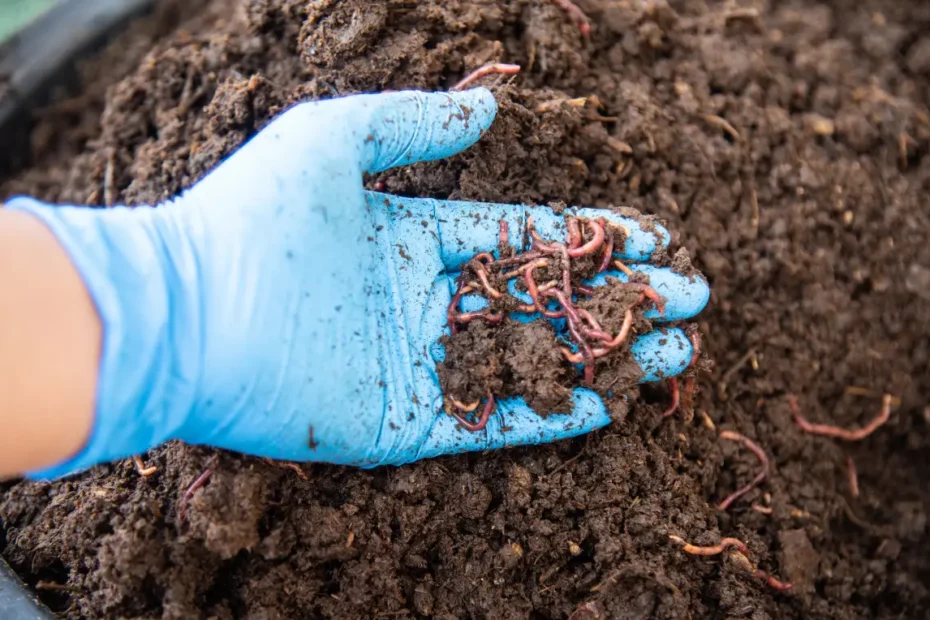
{"x":574,"y":233}
{"x":591,"y":246}
{"x":482,"y":422}
{"x":676,"y":397}
{"x":835,"y":431}
{"x":487,"y":69}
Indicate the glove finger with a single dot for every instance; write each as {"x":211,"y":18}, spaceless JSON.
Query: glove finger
{"x":513,"y":423}
{"x":412,"y":126}
{"x":685,"y":295}
{"x":467,"y":228}
{"x":661,"y":354}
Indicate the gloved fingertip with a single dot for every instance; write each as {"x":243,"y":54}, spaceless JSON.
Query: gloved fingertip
{"x":686,"y":295}
{"x":413,"y":126}
{"x":478,"y":105}
{"x":522,"y":426}
{"x":662,"y":353}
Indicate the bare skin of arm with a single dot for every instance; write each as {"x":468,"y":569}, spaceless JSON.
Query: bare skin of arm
{"x":50,"y":341}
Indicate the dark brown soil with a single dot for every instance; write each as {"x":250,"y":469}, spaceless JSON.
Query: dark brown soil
{"x":806,"y":209}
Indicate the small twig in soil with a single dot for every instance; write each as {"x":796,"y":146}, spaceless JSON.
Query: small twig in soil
{"x":581,"y":452}
{"x":676,"y":398}
{"x":763,"y":460}
{"x":750,"y":15}
{"x":584,"y":24}
{"x":488,"y":69}
{"x":482,"y":421}
{"x":766,"y":510}
{"x":722,"y":123}
{"x":549,"y":106}
{"x":623,"y":268}
{"x":749,"y":356}
{"x":904,"y":142}
{"x":835,"y":431}
{"x":144,"y":471}
{"x":109,"y":179}
{"x":60,"y":587}
{"x":853,"y":477}
{"x":642,"y":573}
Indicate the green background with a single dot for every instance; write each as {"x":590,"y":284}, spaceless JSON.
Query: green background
{"x":14,"y":14}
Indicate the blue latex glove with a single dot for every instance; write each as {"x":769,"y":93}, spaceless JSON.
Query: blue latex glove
{"x":279,"y":309}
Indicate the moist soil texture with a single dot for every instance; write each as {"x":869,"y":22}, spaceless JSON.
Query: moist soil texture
{"x":785,"y":144}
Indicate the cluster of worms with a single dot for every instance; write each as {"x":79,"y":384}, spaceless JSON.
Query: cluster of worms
{"x":545,"y":274}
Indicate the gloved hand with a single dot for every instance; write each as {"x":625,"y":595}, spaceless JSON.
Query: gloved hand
{"x":279,"y":309}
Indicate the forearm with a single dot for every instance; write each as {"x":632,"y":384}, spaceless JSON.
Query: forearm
{"x":49,"y":360}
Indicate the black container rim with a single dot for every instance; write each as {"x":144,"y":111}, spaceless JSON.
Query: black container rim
{"x":16,"y":600}
{"x":34,"y":57}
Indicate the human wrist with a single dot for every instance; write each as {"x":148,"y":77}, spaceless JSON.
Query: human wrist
{"x":141,"y":273}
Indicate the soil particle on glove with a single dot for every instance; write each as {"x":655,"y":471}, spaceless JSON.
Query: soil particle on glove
{"x":785,"y":146}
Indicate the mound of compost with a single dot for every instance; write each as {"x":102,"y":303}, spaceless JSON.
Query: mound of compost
{"x":784,"y":143}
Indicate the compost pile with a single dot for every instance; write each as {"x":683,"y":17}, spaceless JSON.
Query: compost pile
{"x":784,"y":143}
